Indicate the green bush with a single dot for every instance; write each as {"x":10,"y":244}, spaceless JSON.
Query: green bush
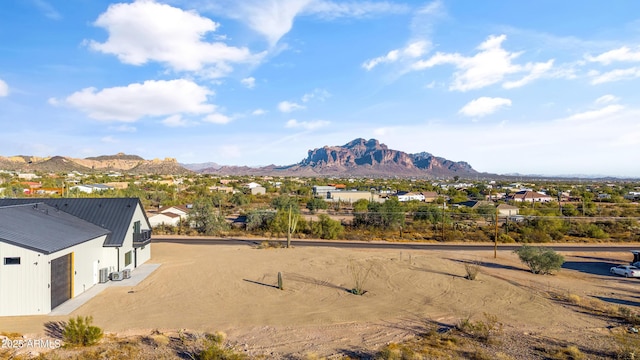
{"x":540,"y":259}
{"x":80,"y":332}
{"x":327,"y":228}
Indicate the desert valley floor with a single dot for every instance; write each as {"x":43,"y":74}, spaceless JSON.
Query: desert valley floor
{"x":233,"y":289}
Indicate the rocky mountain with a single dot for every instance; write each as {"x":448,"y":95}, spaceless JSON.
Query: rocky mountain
{"x":359,"y":157}
{"x":130,"y":164}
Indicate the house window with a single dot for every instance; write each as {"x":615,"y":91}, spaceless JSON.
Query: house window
{"x":127,"y":258}
{"x":12,"y":261}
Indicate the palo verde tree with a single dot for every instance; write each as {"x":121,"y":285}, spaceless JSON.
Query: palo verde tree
{"x":206,"y":218}
{"x":327,"y":228}
{"x":314,"y":204}
{"x":540,"y":259}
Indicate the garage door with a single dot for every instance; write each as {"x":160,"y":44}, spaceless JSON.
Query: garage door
{"x":60,"y":280}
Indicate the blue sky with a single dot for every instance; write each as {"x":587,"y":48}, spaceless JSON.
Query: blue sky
{"x":538,"y":87}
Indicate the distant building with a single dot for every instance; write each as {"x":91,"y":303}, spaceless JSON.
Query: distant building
{"x":404,"y":196}
{"x":529,"y":196}
{"x":90,"y":188}
{"x":508,"y":210}
{"x":322,"y":191}
{"x":353,"y":196}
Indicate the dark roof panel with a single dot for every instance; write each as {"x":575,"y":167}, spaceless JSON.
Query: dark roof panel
{"x":43,"y":228}
{"x":113,"y":214}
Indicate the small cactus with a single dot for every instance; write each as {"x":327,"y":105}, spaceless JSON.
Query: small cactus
{"x":280,"y":281}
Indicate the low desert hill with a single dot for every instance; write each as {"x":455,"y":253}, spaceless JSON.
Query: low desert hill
{"x":131,"y":164}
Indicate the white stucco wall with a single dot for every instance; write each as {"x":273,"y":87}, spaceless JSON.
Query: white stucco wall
{"x":142,"y":255}
{"x":25,"y":288}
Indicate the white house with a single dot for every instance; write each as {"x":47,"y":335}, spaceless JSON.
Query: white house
{"x":89,"y":188}
{"x":54,"y":249}
{"x":410,"y":196}
{"x":170,"y":216}
{"x":252,"y":185}
{"x":508,"y":210}
{"x":529,"y":196}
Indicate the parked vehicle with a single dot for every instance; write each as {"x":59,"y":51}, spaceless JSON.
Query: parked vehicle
{"x":625,"y":270}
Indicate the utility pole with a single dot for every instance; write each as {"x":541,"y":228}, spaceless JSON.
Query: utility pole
{"x":443,"y":214}
{"x":495,"y":243}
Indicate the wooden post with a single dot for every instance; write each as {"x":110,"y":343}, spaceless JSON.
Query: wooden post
{"x":443,"y":203}
{"x":495,"y":243}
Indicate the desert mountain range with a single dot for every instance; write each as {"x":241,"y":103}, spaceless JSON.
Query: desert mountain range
{"x":359,"y":157}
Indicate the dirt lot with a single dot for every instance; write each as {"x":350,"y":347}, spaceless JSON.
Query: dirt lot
{"x":233,"y":289}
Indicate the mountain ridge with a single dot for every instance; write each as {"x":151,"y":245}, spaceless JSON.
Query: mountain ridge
{"x":359,"y":157}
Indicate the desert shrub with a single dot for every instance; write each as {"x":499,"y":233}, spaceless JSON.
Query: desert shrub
{"x":567,"y":353}
{"x":472,"y":270}
{"x":216,"y":350}
{"x":589,"y":230}
{"x":534,"y":236}
{"x":359,"y":274}
{"x":541,"y":260}
{"x":627,"y":346}
{"x":482,"y":330}
{"x":79,"y":331}
{"x":505,"y":239}
{"x":432,"y":344}
{"x":327,"y":228}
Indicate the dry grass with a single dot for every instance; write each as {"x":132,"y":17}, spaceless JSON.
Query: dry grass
{"x":570,"y":352}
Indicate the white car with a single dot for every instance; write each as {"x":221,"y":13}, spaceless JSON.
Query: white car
{"x":626,"y":270}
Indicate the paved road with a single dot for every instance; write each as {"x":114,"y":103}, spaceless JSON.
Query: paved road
{"x":393,"y":245}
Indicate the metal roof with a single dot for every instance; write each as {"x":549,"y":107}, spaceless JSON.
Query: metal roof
{"x":44,"y":228}
{"x":113,"y":214}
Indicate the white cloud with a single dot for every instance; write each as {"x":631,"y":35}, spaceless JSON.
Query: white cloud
{"x":4,"y":88}
{"x":123,"y":128}
{"x":271,"y":18}
{"x":217,"y":118}
{"x":151,"y":98}
{"x":623,"y":54}
{"x":109,"y":140}
{"x":249,"y":82}
{"x":288,"y":106}
{"x":614,"y":75}
{"x":484,"y":106}
{"x":413,"y":50}
{"x":307,"y":125}
{"x":258,"y":112}
{"x":489,"y":66}
{"x":175,"y":121}
{"x":357,"y":9}
{"x":536,"y":71}
{"x":317,"y":94}
{"x":599,"y":114}
{"x":605,"y":99}
{"x":146,"y":31}
{"x":274,"y":18}
{"x":48,"y":10}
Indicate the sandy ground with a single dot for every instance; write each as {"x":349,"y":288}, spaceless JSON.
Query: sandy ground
{"x":233,"y":289}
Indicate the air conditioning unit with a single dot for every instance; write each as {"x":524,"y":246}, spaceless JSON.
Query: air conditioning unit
{"x":126,"y":274}
{"x":104,"y":275}
{"x":116,"y":276}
